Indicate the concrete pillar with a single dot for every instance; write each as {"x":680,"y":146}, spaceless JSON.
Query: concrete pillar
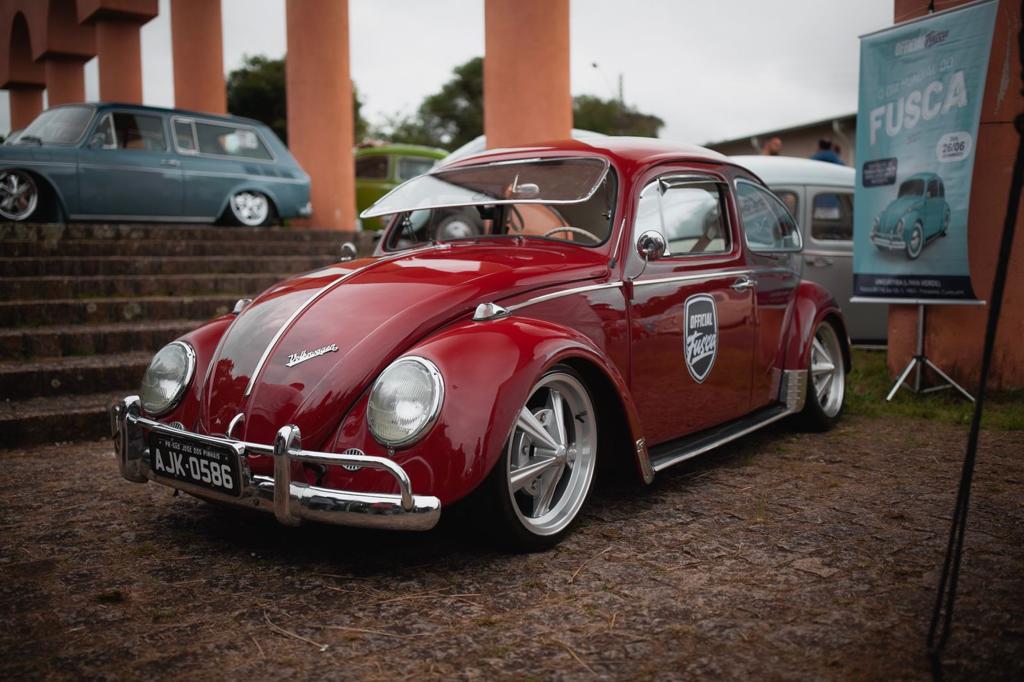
{"x":197,"y":45}
{"x":26,"y":104}
{"x":320,"y":124}
{"x":65,"y":81}
{"x":526,"y":71}
{"x":956,"y":334}
{"x":120,"y":60}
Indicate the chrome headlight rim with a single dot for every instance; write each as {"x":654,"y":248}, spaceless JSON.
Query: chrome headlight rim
{"x":190,"y":371}
{"x":437,"y":381}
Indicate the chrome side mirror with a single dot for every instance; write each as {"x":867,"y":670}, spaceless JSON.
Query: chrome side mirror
{"x":348,"y":251}
{"x":651,"y":245}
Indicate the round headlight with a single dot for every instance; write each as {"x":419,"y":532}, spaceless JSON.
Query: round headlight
{"x":167,"y":377}
{"x":404,"y":401}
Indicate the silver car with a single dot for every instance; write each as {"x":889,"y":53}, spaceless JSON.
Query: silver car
{"x":820,"y":196}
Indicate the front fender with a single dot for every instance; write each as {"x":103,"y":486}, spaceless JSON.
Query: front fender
{"x":813,"y":304}
{"x":488,"y":369}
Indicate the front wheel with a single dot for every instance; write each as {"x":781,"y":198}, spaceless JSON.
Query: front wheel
{"x":916,"y":241}
{"x":251,"y":209}
{"x":826,"y":380}
{"x":546,"y":471}
{"x":19,"y":195}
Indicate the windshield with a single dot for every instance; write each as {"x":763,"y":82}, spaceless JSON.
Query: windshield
{"x":63,"y":125}
{"x":539,"y":181}
{"x":587,"y":222}
{"x":914,"y":188}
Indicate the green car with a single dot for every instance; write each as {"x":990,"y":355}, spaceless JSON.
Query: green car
{"x":379,"y":169}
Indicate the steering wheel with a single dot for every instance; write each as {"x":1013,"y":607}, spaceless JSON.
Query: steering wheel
{"x":574,"y":230}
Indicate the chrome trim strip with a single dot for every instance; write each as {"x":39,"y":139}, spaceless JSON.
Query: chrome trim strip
{"x":828,"y":254}
{"x":696,"y":277}
{"x":244,"y":176}
{"x":175,"y":170}
{"x":565,"y":292}
{"x":14,"y":163}
{"x":310,"y":301}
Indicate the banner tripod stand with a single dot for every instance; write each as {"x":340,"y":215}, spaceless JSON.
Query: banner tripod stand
{"x":920,"y":361}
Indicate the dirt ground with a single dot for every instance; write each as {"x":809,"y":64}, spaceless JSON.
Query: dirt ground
{"x":787,"y":556}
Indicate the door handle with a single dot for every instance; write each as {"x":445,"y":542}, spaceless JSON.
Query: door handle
{"x":743,"y":283}
{"x":817,"y":261}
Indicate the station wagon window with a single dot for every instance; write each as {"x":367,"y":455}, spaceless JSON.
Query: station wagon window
{"x":411,"y":167}
{"x":140,"y":132}
{"x":767,"y":225}
{"x":690,"y":216}
{"x":372,"y":167}
{"x":184,"y":136}
{"x":226,"y":140}
{"x":789,"y":198}
{"x":832,"y":217}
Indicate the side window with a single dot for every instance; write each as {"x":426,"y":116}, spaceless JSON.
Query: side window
{"x":942,"y":188}
{"x":933,"y":188}
{"x":832,"y":217}
{"x":411,"y":167}
{"x":226,"y":140}
{"x":372,"y":167}
{"x":139,"y":131}
{"x":184,"y":136}
{"x":790,"y":199}
{"x":767,"y":225}
{"x":692,"y":216}
{"x":105,"y":131}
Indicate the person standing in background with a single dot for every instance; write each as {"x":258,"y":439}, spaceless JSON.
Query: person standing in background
{"x":772,"y":147}
{"x":827,"y":152}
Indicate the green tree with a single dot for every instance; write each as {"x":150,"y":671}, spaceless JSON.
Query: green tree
{"x":611,"y":117}
{"x":257,"y":90}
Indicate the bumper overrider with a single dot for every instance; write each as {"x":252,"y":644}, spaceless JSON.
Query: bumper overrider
{"x":291,"y":501}
{"x":888,"y":241}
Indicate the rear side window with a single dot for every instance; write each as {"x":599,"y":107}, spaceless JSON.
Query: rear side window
{"x":832,"y":217}
{"x":767,"y":225}
{"x":225,"y":140}
{"x":373,"y":167}
{"x":184,"y":136}
{"x":139,"y":132}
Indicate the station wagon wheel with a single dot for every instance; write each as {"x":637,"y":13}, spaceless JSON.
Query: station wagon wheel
{"x":547,"y":468}
{"x":19,"y":195}
{"x":916,"y":241}
{"x":251,"y":209}
{"x":826,"y":381}
{"x":945,"y":222}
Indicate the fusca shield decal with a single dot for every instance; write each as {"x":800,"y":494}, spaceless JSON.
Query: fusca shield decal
{"x":700,"y":335}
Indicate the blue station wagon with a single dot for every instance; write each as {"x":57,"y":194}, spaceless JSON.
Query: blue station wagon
{"x":131,"y":162}
{"x":917,"y":215}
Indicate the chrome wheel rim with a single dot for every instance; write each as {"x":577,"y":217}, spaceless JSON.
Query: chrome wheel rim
{"x":552,"y":454}
{"x":914,"y":245}
{"x":458,"y":229}
{"x":18,"y":195}
{"x":251,"y":208}
{"x":828,"y":376}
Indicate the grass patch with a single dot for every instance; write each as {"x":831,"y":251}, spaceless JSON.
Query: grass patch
{"x":869,"y":383}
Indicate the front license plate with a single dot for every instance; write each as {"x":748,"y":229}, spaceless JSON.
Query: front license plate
{"x":207,"y":466}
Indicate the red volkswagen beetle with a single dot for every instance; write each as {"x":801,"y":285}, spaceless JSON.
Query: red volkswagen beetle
{"x":625,"y":301}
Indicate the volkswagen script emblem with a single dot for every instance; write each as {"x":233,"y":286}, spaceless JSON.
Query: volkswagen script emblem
{"x":700,"y":335}
{"x":303,"y":355}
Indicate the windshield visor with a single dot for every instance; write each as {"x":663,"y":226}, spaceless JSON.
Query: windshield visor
{"x":531,"y":181}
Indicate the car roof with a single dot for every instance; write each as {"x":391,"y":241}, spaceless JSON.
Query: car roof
{"x":922,"y":176}
{"x":409,"y":149}
{"x":792,"y":170}
{"x":229,"y":118}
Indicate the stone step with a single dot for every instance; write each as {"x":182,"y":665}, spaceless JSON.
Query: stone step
{"x":79,"y":340}
{"x":22,"y":313}
{"x":91,"y":248}
{"x":167,"y":232}
{"x":23,"y":379}
{"x":65,"y":286}
{"x":56,"y":419}
{"x":170,"y":265}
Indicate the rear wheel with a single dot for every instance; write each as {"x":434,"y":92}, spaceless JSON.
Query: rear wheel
{"x":19,"y":195}
{"x":546,"y":471}
{"x":251,"y":209}
{"x":826,"y":379}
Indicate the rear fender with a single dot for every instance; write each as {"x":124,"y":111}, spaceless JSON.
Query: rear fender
{"x":813,"y":305}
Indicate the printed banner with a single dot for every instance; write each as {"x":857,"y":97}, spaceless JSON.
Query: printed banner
{"x":921,"y":87}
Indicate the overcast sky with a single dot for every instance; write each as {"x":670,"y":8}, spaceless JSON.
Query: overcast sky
{"x":711,"y":70}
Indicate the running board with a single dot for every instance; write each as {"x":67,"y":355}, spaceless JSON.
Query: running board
{"x":674,"y":452}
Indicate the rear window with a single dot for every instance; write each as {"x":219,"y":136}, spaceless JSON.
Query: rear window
{"x":225,"y":140}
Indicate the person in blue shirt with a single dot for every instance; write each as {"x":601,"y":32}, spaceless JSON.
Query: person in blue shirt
{"x":826,"y":152}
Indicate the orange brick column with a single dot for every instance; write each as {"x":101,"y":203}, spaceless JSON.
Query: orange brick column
{"x":65,"y":81}
{"x":320,"y":125}
{"x":955,"y":334}
{"x":26,"y":104}
{"x":120,"y":60}
{"x":526,"y":71}
{"x":197,"y":44}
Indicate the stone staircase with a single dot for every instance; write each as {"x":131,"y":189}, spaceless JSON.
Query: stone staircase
{"x":83,"y":307}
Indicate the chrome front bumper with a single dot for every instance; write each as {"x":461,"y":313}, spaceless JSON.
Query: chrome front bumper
{"x":885,"y":241}
{"x":306,"y":209}
{"x":290,"y":501}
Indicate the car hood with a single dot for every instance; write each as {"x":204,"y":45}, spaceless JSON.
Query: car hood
{"x":329,"y":333}
{"x":896,"y":210}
